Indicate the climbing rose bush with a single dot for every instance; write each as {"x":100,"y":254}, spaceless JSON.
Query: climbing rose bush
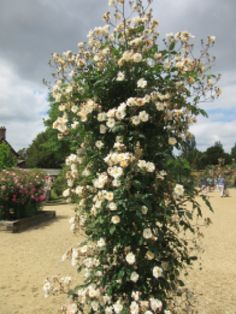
{"x":21,"y":193}
{"x":127,"y":100}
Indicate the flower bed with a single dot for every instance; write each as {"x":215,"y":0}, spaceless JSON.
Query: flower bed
{"x":21,"y":193}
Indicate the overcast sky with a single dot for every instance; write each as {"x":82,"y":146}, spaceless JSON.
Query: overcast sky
{"x":31,"y":30}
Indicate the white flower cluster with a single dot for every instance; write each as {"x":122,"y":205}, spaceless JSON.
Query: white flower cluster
{"x":106,"y":174}
{"x":56,"y":286}
{"x":137,"y":306}
{"x":130,"y":56}
{"x":60,"y":124}
{"x":86,"y":108}
{"x":101,"y":180}
{"x":73,"y":161}
{"x":121,"y":159}
{"x":146,"y":165}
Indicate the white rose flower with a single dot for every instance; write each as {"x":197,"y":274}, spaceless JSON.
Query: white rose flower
{"x":134,"y":276}
{"x":135,"y":295}
{"x":84,"y":249}
{"x":156,"y":305}
{"x":112,"y":206}
{"x":100,"y":182}
{"x":109,"y":310}
{"x":149,"y":255}
{"x":62,"y":108}
{"x":120,"y":76}
{"x":147,"y":233}
{"x":150,"y":166}
{"x":109,"y":196}
{"x":115,"y":219}
{"x":137,"y":57}
{"x":66,"y":193}
{"x":102,"y":116}
{"x":159,"y":106}
{"x":101,"y":242}
{"x":86,"y":172}
{"x":134,"y":308}
{"x":142,"y":164}
{"x":95,"y":305}
{"x":130,"y":258}
{"x":121,"y":111}
{"x":157,"y":272}
{"x":103,"y":129}
{"x":142,"y":83}
{"x":118,"y":307}
{"x":72,"y":308}
{"x":144,"y":210}
{"x":106,"y":299}
{"x":115,"y":172}
{"x":110,"y":123}
{"x":211,"y":39}
{"x":127,"y":56}
{"x":74,"y":257}
{"x":93,"y":292}
{"x":111,"y":2}
{"x":74,"y":109}
{"x":99,"y":144}
{"x":144,"y":116}
{"x":116,"y":183}
{"x":148,"y":312}
{"x":158,"y":55}
{"x":172,"y":141}
{"x":47,"y":288}
{"x":135,"y":120}
{"x":79,"y":190}
{"x":179,"y":190}
{"x":167,"y":312}
{"x":70,"y":183}
{"x":74,"y":124}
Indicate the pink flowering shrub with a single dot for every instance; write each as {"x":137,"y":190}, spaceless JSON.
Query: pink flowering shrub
{"x":21,"y":193}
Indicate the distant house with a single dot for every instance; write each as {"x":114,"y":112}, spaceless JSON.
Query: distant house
{"x":4,"y":140}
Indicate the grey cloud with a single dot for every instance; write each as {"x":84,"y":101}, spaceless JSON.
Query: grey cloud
{"x":202,"y":18}
{"x":31,"y":30}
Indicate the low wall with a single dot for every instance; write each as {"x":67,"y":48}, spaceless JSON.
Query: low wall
{"x":25,"y":223}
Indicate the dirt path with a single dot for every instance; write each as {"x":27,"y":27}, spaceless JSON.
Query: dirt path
{"x":29,"y":257}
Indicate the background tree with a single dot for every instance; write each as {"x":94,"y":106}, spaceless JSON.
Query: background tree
{"x":47,"y":150}
{"x":214,"y":153}
{"x":7,"y":158}
{"x":233,"y":152}
{"x":190,"y":153}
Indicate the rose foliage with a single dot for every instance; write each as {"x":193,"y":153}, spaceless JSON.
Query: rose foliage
{"x":21,"y":193}
{"x":128,"y":100}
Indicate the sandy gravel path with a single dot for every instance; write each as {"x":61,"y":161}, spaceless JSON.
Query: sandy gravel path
{"x":215,"y":285}
{"x":27,"y":258}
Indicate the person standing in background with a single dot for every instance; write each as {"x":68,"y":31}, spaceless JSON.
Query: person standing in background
{"x":221,"y":184}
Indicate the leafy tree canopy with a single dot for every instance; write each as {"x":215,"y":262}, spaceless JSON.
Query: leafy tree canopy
{"x":7,"y":159}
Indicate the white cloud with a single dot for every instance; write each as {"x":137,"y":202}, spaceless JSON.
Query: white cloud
{"x":22,"y":106}
{"x":207,"y":132}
